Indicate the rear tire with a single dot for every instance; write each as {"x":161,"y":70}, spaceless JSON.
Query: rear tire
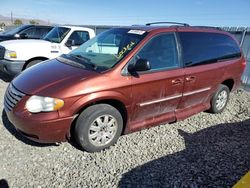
{"x":30,"y":64}
{"x":98,"y":127}
{"x":220,"y":99}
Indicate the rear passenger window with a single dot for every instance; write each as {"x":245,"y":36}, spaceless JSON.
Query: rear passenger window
{"x":202,"y":48}
{"x":161,"y":52}
{"x":41,"y":31}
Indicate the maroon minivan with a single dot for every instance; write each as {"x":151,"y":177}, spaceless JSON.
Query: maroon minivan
{"x":124,"y":80}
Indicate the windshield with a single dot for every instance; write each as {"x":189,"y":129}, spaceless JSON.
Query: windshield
{"x":15,"y":30}
{"x":108,"y":48}
{"x":57,"y":34}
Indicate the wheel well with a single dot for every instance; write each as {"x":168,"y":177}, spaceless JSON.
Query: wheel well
{"x":35,"y":58}
{"x":229,"y":83}
{"x":115,"y":103}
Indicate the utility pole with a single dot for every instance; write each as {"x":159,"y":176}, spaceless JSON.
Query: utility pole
{"x":11,"y":16}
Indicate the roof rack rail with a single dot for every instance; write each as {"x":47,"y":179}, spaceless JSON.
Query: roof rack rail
{"x":174,"y":23}
{"x":208,"y":27}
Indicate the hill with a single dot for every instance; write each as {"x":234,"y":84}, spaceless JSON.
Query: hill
{"x":7,"y":20}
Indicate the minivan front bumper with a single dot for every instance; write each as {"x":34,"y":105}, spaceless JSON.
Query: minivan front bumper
{"x":42,"y":130}
{"x":11,"y":67}
{"x":47,"y":127}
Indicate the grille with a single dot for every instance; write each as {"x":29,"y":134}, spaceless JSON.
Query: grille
{"x":12,"y":97}
{"x":2,"y":52}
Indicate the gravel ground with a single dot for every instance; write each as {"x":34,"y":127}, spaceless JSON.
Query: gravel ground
{"x":203,"y":151}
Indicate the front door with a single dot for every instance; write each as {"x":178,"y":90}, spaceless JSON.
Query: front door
{"x":157,"y":92}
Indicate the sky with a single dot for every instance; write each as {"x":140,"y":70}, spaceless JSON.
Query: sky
{"x":129,"y":12}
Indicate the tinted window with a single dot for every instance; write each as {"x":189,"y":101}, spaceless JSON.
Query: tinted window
{"x":79,"y":37}
{"x":30,"y":32}
{"x":41,"y":32}
{"x":16,"y":30}
{"x":201,"y":48}
{"x":161,"y":52}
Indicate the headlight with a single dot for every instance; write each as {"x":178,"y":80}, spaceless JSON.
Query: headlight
{"x":10,"y":54}
{"x":37,"y":104}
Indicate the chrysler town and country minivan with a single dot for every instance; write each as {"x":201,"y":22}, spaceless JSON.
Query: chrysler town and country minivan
{"x":124,"y":80}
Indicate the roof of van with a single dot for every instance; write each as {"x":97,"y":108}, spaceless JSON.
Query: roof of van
{"x":179,"y":28}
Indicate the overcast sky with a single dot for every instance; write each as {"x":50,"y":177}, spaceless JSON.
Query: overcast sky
{"x":127,"y":12}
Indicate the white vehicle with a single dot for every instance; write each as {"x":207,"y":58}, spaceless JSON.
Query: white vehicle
{"x":17,"y":55}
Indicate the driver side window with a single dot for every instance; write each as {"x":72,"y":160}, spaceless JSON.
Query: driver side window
{"x":161,"y":52}
{"x":79,"y":37}
{"x":30,"y":32}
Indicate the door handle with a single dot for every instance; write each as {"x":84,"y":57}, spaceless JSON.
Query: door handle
{"x":177,"y":81}
{"x":190,"y":78}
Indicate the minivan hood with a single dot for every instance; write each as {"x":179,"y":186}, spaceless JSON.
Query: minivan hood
{"x":51,"y":78}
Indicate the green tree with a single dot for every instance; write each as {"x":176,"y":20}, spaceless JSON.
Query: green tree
{"x":33,"y":22}
{"x":18,"y":22}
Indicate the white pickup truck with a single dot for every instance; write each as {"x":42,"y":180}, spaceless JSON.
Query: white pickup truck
{"x":17,"y":55}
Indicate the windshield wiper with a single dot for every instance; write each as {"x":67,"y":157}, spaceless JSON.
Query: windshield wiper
{"x":65,"y":60}
{"x":83,"y":59}
{"x":80,"y":57}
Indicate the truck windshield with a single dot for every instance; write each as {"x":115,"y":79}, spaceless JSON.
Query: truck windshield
{"x":108,"y":48}
{"x":16,"y":30}
{"x":57,"y":34}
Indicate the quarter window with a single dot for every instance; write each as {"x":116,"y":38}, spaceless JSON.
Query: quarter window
{"x":202,"y":48}
{"x":161,"y":52}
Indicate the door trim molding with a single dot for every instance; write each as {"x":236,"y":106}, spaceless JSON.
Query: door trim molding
{"x":174,"y":97}
{"x":160,"y":100}
{"x":196,"y":91}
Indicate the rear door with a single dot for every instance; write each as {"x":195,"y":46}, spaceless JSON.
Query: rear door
{"x":157,"y":92}
{"x":205,"y":58}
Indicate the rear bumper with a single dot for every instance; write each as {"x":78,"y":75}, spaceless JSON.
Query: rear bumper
{"x":11,"y":67}
{"x":41,"y":130}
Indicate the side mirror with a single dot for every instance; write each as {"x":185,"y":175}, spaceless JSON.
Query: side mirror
{"x":23,"y":36}
{"x":70,"y":43}
{"x":140,"y":65}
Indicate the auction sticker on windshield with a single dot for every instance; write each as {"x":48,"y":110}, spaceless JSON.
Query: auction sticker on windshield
{"x":138,"y":32}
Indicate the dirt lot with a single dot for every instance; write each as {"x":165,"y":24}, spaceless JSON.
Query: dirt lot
{"x":203,"y":151}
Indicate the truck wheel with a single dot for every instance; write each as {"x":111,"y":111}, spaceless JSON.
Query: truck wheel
{"x":220,"y":99}
{"x":32,"y":63}
{"x":98,"y":127}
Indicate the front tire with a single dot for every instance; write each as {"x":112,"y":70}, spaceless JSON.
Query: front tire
{"x":32,"y":63}
{"x":98,"y":127}
{"x":220,"y":99}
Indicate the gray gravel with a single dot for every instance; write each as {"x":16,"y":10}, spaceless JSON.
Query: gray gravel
{"x":203,"y":151}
